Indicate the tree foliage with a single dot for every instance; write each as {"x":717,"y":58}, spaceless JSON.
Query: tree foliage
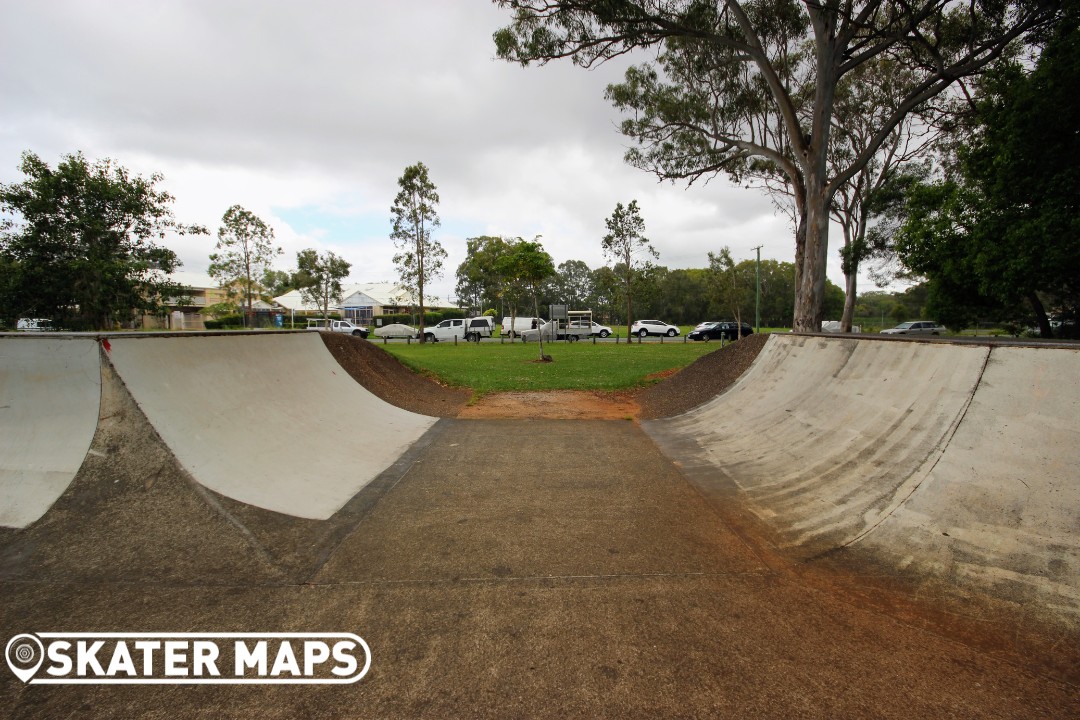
{"x":525,"y":266}
{"x":1003,"y":224}
{"x":414,"y":215}
{"x":751,"y":87}
{"x":731,"y":289}
{"x":79,"y":244}
{"x":320,"y":278}
{"x":245,"y":249}
{"x":479,"y":281}
{"x":626,"y":246}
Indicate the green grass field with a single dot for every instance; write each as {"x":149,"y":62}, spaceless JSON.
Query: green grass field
{"x":492,"y":366}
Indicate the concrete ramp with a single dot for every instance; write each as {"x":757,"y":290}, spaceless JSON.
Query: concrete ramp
{"x":956,"y":460}
{"x":1001,"y":507}
{"x":272,"y":421}
{"x":50,"y":388}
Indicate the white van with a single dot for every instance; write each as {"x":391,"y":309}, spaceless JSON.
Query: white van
{"x":34,"y":325}
{"x":521,"y":324}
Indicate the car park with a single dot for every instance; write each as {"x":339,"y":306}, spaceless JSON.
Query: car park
{"x":397,"y":330}
{"x":723,"y":330}
{"x":644,"y":328}
{"x":915,"y":327}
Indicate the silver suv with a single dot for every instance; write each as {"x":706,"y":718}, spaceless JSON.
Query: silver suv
{"x":921,"y":327}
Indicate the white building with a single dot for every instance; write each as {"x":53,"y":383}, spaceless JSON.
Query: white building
{"x":359,"y":302}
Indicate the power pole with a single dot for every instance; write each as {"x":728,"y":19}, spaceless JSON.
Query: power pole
{"x":757,"y":291}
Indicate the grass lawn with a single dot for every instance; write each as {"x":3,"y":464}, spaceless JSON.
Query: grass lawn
{"x":491,"y":366}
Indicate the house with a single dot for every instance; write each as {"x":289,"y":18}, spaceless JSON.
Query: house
{"x":202,"y":293}
{"x":360,"y":302}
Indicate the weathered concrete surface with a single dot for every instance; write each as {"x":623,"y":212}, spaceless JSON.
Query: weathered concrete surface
{"x":48,"y":412}
{"x":272,"y":421}
{"x":491,"y":584}
{"x":1000,"y":507}
{"x":957,"y":462}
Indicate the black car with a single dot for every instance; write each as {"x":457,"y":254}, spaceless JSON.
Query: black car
{"x":726,"y":330}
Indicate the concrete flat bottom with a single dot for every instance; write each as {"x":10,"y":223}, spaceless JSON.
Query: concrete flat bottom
{"x":606,"y":587}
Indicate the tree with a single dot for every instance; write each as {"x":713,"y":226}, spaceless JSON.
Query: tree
{"x":731,"y":288}
{"x":78,"y":245}
{"x":606,"y":297}
{"x":626,"y":244}
{"x":526,"y":265}
{"x":420,"y":257}
{"x":245,"y":249}
{"x":479,"y":281}
{"x":321,"y":276}
{"x":279,"y":282}
{"x":573,"y":283}
{"x":741,"y":87}
{"x":1003,"y":224}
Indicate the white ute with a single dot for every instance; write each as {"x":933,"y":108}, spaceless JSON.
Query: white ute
{"x":339,"y":326}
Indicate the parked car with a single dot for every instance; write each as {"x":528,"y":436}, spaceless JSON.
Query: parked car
{"x":338,"y":326}
{"x":556,"y":330}
{"x":34,"y":325}
{"x":724,"y":330}
{"x":643,"y":328}
{"x":833,"y":326}
{"x":919,"y":327}
{"x":595,"y":330}
{"x":397,"y":330}
{"x":471,"y":329}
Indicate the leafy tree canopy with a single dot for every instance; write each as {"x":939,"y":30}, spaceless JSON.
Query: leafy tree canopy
{"x":320,"y":275}
{"x":744,"y":88}
{"x":245,"y":249}
{"x":413,"y":216}
{"x":625,"y":244}
{"x":79,"y":244}
{"x":1003,"y":224}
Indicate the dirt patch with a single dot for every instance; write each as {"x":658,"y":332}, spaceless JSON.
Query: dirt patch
{"x":555,"y":405}
{"x":701,"y":380}
{"x":675,"y":392}
{"x":384,"y":376}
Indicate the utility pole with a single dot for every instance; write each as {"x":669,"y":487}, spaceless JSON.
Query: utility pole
{"x":757,"y":291}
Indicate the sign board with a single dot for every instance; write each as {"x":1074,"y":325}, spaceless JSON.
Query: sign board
{"x":558,"y":312}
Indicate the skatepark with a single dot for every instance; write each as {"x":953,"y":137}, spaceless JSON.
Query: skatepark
{"x":856,"y":527}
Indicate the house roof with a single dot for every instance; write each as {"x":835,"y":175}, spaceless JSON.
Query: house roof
{"x":381,"y":294}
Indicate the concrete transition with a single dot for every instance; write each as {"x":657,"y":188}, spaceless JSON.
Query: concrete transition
{"x":721,"y":563}
{"x":933,"y":459}
{"x":938,"y":459}
{"x":49,"y":392}
{"x":270,"y":421}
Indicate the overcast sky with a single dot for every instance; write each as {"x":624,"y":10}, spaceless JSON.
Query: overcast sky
{"x":307,"y":113}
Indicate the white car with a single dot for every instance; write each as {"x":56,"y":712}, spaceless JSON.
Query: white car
{"x":921,"y":327}
{"x":643,"y":328}
{"x":596,"y":329}
{"x":397,"y":330}
{"x":34,"y":325}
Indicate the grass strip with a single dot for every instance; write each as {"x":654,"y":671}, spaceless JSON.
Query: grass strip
{"x":493,"y":366}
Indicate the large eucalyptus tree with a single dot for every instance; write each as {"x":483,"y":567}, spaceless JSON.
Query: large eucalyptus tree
{"x":745,"y":86}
